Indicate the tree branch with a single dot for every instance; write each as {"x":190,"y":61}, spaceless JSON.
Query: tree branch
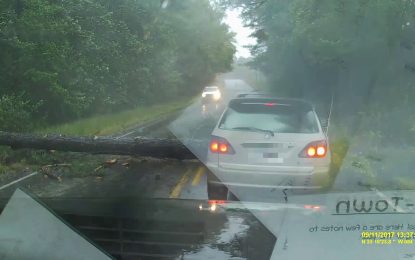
{"x":152,"y":147}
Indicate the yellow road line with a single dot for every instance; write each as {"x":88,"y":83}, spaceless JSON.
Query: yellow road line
{"x":198,"y":176}
{"x":175,"y":193}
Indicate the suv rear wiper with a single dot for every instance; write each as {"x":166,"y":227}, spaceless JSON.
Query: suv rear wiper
{"x":254,"y":129}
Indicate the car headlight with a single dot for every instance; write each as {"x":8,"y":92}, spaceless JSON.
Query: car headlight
{"x":217,"y":95}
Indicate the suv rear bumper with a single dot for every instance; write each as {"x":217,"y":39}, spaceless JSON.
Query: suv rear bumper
{"x":275,"y":177}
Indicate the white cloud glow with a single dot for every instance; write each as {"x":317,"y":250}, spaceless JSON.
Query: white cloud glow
{"x":242,"y":38}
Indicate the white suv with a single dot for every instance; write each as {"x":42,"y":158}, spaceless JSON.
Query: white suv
{"x":266,"y":142}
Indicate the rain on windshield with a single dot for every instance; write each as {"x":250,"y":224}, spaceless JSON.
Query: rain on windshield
{"x":207,"y":129}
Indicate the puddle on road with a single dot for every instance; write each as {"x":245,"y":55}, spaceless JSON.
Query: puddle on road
{"x":234,"y":228}
{"x":240,"y":237}
{"x":209,"y":253}
{"x":225,"y":244}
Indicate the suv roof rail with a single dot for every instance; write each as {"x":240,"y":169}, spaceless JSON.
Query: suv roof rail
{"x":259,"y":96}
{"x":242,"y":95}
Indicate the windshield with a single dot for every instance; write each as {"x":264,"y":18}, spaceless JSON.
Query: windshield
{"x":207,"y":129}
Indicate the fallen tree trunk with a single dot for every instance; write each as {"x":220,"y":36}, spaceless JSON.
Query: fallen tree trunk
{"x":152,"y":147}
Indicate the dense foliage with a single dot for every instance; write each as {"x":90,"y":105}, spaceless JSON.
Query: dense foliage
{"x":360,"y":51}
{"x":62,"y":60}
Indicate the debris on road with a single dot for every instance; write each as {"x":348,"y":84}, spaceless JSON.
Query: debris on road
{"x":48,"y":173}
{"x":126,"y":164}
{"x":58,"y":165}
{"x":112,"y":161}
{"x":98,"y":168}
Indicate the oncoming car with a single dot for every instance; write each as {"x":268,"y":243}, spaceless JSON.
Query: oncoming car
{"x":211,"y":94}
{"x":267,"y":142}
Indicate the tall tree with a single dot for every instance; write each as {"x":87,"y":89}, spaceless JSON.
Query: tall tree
{"x":74,"y":58}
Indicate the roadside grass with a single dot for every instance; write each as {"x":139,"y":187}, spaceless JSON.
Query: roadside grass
{"x":374,"y":163}
{"x":82,"y":164}
{"x":387,"y":168}
{"x":117,"y":122}
{"x":406,"y":183}
{"x":339,"y":148}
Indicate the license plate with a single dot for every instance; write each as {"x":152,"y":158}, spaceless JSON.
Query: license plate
{"x":270,"y":155}
{"x":264,"y":158}
{"x":274,"y":160}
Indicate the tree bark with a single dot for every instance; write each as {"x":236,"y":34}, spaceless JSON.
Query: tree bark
{"x":152,"y":147}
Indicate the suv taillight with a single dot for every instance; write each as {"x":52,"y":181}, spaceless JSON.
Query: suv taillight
{"x":220,"y":145}
{"x":317,"y":149}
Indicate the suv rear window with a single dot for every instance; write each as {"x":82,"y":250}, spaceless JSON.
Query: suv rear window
{"x":270,"y":117}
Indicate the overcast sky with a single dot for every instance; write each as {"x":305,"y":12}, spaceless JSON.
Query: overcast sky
{"x":242,"y":33}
